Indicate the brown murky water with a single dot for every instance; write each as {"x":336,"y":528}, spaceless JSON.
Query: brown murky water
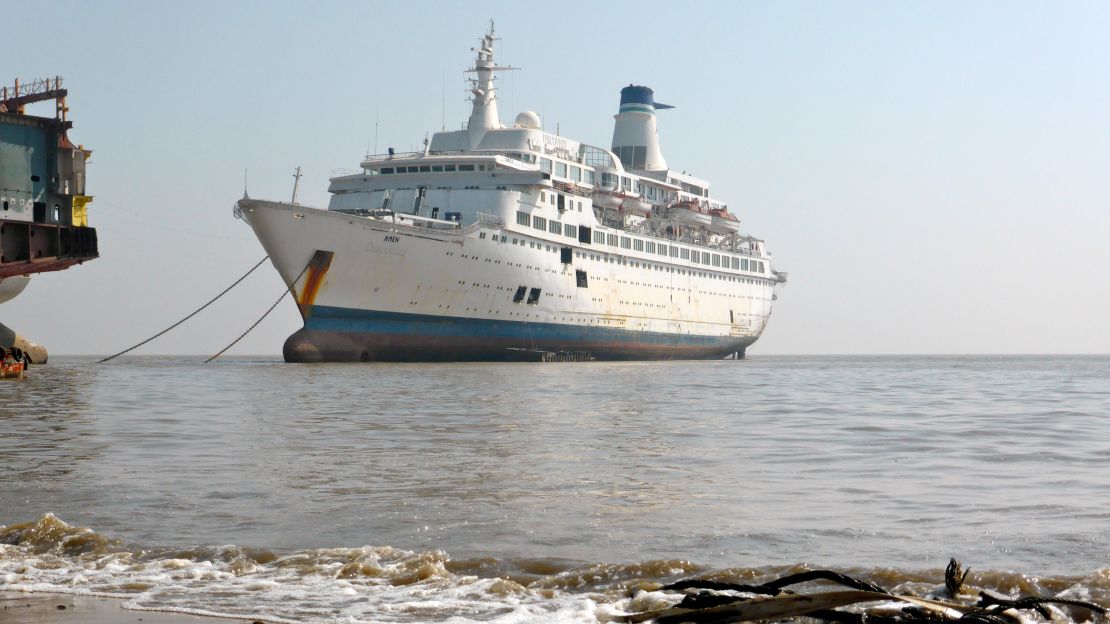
{"x":516,"y":492}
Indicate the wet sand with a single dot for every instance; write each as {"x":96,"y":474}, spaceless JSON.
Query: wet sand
{"x":24,"y":608}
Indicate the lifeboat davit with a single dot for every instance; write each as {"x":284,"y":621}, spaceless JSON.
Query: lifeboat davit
{"x":724,"y":222}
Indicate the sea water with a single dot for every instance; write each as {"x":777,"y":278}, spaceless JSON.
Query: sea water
{"x":555,"y":492}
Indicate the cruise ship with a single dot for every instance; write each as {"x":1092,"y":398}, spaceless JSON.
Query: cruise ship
{"x":500,"y":242}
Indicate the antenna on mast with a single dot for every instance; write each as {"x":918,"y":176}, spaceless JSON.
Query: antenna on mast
{"x":375,"y":132}
{"x":296,"y":184}
{"x":245,"y":183}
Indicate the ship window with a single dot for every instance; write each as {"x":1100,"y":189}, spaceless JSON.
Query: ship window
{"x":588,"y":176}
{"x":504,"y":239}
{"x":561,"y":169}
{"x":448,"y":167}
{"x":437,"y":168}
{"x":481,"y":235}
{"x":582,"y":279}
{"x":744,"y":264}
{"x":695,"y":257}
{"x":599,"y":237}
{"x":518,"y":296}
{"x":612,"y":239}
{"x":650,"y":247}
{"x":543,"y":196}
{"x":545,"y":165}
{"x":570,"y":231}
{"x":566,"y":255}
{"x":736,"y":263}
{"x":662,"y":249}
{"x":534,"y":296}
{"x":523,"y":218}
{"x":626,"y":243}
{"x":717,"y":260}
{"x":576,"y":173}
{"x":466,"y":167}
{"x":684,"y":253}
{"x":626,"y":183}
{"x":425,"y":168}
{"x":555,"y":227}
{"x":539,"y":223}
{"x":638,"y":245}
{"x":387,"y":169}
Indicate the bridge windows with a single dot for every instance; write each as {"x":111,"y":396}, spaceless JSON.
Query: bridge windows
{"x":523,"y":218}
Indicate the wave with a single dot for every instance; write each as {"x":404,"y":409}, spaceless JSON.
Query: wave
{"x":386,"y":584}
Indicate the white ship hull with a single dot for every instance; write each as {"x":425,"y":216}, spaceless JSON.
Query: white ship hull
{"x":396,"y":292}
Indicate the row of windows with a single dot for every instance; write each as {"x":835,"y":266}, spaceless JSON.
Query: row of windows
{"x":703,"y":257}
{"x":540,"y":223}
{"x":569,"y":172}
{"x":434,"y":169}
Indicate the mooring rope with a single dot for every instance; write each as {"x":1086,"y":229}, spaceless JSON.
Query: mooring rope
{"x":195,"y":312}
{"x":288,"y":290}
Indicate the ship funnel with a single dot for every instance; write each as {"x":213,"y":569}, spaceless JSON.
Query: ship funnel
{"x":635,"y":136}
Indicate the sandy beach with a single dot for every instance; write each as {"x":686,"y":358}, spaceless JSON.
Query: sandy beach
{"x":24,"y":608}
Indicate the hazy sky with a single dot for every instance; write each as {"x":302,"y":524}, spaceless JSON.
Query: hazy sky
{"x":935,"y":176}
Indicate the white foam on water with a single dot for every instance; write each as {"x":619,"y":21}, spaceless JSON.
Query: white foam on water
{"x":347,"y":585}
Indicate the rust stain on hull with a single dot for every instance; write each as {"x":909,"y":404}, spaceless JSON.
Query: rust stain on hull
{"x":314,"y":279}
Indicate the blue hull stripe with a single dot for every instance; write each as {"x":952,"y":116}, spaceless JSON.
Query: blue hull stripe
{"x":529,"y":335}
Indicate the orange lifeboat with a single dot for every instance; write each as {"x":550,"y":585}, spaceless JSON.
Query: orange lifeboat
{"x":11,"y":364}
{"x":11,"y":370}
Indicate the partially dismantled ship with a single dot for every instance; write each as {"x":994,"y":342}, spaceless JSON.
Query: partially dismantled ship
{"x":43,"y":206}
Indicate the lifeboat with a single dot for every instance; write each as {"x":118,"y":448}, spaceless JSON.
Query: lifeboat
{"x":11,"y":364}
{"x":691,"y":213}
{"x":608,"y":199}
{"x":633,"y":205}
{"x":724,"y":222}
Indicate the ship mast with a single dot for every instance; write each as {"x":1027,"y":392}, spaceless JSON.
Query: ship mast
{"x":483,"y":115}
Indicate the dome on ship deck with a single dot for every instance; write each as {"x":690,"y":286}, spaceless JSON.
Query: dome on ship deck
{"x":528,"y":119}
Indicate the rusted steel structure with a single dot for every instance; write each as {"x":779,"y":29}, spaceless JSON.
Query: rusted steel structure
{"x":43,"y":202}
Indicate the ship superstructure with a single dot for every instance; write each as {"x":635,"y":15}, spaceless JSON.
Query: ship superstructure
{"x":509,"y":242}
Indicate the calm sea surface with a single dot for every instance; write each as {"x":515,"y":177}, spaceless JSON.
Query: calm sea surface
{"x":515,"y":492}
